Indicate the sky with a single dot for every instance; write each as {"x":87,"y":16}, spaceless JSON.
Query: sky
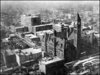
{"x":47,"y":4}
{"x":50,"y":2}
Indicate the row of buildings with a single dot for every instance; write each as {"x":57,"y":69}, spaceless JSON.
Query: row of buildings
{"x":57,"y":44}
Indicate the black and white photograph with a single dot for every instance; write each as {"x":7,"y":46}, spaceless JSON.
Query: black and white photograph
{"x":49,"y":37}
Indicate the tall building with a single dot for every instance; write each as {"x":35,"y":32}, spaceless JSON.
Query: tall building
{"x":36,"y":20}
{"x":65,"y":47}
{"x":61,"y":43}
{"x":47,"y":42}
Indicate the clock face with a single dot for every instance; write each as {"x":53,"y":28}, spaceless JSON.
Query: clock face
{"x":78,"y":23}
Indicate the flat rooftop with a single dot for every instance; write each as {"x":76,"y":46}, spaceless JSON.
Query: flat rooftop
{"x":49,"y":61}
{"x":30,"y":50}
{"x":45,"y":31}
{"x":44,"y":25}
{"x":31,"y":36}
{"x":41,"y":33}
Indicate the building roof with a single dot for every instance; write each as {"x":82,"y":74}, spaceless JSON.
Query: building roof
{"x":45,"y":31}
{"x":5,"y":40}
{"x":31,"y":36}
{"x":43,"y":25}
{"x":48,"y":31}
{"x":31,"y":50}
{"x":28,"y":51}
{"x":49,"y":61}
{"x":10,"y":52}
{"x":29,"y":15}
{"x":57,"y":27}
{"x":40,"y":33}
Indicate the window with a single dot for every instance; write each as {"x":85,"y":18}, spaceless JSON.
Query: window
{"x":36,"y":21}
{"x":45,"y":27}
{"x":24,"y":29}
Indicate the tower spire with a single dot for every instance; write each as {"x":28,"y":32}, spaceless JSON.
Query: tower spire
{"x":78,"y":17}
{"x":78,"y":34}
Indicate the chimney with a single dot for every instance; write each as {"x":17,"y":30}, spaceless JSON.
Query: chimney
{"x":78,"y":34}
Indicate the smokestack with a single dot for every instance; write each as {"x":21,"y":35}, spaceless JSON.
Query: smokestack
{"x":78,"y":34}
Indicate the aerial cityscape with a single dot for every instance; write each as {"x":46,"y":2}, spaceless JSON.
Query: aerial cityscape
{"x":49,"y":38}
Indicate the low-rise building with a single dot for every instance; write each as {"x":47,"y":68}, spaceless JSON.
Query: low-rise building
{"x":31,"y":38}
{"x":30,"y":54}
{"x":52,"y":66}
{"x":20,"y":29}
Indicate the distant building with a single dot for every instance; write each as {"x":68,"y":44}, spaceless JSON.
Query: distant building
{"x":19,"y":29}
{"x":30,"y":20}
{"x":27,"y":21}
{"x":42,"y":27}
{"x":96,"y":10}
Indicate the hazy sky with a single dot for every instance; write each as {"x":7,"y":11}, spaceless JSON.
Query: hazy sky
{"x":50,"y":2}
{"x":46,"y":4}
